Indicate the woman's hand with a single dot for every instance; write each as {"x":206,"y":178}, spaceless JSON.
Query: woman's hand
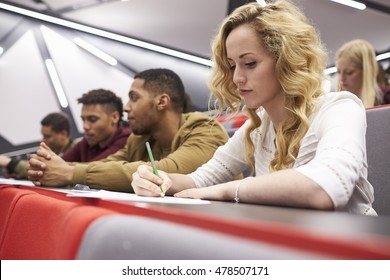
{"x":146,"y":183}
{"x":224,"y":191}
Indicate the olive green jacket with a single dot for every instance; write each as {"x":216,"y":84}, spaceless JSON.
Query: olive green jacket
{"x":194,"y":144}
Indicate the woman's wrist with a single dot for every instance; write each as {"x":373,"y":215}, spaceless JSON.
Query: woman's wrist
{"x":237,"y":190}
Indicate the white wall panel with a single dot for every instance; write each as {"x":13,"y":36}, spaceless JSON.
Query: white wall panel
{"x":194,"y":76}
{"x":169,"y":23}
{"x":26,"y":92}
{"x":80,"y":72}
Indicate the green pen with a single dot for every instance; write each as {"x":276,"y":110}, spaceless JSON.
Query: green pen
{"x":153,"y":165}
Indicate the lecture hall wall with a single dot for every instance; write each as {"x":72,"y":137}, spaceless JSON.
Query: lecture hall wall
{"x":27,"y":93}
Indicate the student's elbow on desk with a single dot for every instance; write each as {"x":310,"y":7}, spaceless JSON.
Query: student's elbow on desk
{"x":320,"y":200}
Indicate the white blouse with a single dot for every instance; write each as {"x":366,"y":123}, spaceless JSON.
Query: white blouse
{"x":332,"y":153}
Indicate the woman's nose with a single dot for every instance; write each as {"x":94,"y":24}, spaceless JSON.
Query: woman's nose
{"x":238,"y":77}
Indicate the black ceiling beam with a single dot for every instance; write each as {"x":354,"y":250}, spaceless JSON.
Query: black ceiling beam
{"x":377,"y":6}
{"x":83,"y":5}
{"x":233,"y":4}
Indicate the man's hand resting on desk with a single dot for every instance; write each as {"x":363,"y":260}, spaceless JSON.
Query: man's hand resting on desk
{"x":48,"y":169}
{"x":4,"y":160}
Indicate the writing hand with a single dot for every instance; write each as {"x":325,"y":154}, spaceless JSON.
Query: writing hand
{"x":146,"y":183}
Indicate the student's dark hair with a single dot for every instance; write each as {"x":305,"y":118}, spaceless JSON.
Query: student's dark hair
{"x":58,"y":122}
{"x":103,"y":97}
{"x":162,"y":80}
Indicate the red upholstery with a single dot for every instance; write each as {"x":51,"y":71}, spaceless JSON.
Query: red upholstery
{"x":9,"y":196}
{"x":43,"y":227}
{"x":46,"y":224}
{"x":233,"y":122}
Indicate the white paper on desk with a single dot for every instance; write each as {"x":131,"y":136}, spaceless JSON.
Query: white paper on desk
{"x":6,"y":181}
{"x":103,"y":194}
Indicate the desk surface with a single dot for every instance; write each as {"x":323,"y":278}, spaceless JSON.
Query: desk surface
{"x":324,"y":221}
{"x":297,"y":224}
{"x":336,"y":233}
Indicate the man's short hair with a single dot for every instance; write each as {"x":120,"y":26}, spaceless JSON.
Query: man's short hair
{"x":103,"y":97}
{"x":58,"y":122}
{"x":162,"y":80}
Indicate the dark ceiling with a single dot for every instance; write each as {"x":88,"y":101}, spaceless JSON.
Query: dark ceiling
{"x":190,"y":25}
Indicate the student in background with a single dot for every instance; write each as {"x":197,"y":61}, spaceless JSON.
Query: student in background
{"x":306,"y":147}
{"x":383,"y":82}
{"x":102,"y":113}
{"x":181,"y":142}
{"x":55,"y":130}
{"x":357,"y":71}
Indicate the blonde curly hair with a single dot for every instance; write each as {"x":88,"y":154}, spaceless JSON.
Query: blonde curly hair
{"x":300,"y":62}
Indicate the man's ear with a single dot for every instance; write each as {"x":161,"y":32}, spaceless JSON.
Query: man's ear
{"x":163,"y":101}
{"x":115,"y":117}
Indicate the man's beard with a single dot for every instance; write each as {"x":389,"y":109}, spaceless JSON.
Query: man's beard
{"x":140,"y":131}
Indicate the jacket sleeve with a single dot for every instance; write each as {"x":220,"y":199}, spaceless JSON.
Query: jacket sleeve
{"x":192,"y":147}
{"x":196,"y":147}
{"x":21,"y":169}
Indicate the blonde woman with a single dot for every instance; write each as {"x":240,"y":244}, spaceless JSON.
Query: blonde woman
{"x":357,"y":71}
{"x":306,"y":148}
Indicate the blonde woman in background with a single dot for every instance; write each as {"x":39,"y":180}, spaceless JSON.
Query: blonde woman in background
{"x":357,"y":71}
{"x":305,"y":147}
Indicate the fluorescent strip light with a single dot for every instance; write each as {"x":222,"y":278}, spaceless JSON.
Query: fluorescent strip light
{"x":383,"y":56}
{"x":379,"y":57}
{"x":56,"y":83}
{"x":95,"y":51}
{"x":330,"y":70}
{"x":106,"y":34}
{"x":351,"y":3}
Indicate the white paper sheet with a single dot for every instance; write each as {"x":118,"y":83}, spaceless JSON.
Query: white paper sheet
{"x":7,"y":181}
{"x":103,"y":194}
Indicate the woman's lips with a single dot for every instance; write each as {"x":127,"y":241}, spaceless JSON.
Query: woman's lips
{"x":245,"y":91}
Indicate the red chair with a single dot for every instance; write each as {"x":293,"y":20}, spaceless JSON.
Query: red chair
{"x":42,"y":227}
{"x":9,"y":196}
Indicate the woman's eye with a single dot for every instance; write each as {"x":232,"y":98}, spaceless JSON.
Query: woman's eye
{"x":250,"y":64}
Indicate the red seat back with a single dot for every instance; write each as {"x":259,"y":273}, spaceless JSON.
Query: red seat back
{"x":57,"y":236}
